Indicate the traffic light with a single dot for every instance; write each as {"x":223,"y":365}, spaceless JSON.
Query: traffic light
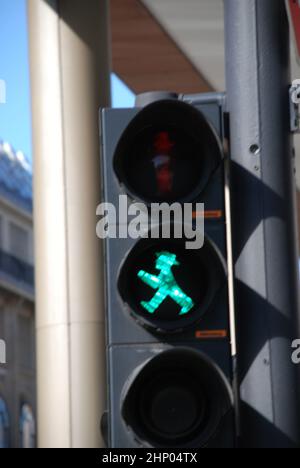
{"x":170,"y":373}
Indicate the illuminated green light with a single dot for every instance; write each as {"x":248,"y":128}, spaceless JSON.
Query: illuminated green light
{"x":165,"y":284}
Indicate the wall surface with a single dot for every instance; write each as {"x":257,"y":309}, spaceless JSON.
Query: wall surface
{"x":145,"y":56}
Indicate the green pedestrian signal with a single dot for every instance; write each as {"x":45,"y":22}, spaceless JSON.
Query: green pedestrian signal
{"x":165,"y":284}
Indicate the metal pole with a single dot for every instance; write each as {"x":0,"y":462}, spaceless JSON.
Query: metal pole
{"x":263,"y":202}
{"x":70,"y":81}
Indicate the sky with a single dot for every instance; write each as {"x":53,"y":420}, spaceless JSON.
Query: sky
{"x":122,"y":96}
{"x":14,"y":70}
{"x":15,"y":114}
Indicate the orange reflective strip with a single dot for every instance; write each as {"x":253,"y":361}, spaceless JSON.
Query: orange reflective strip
{"x":211,"y":334}
{"x":216,"y":214}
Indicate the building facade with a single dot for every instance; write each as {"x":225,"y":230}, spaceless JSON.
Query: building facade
{"x":17,"y":330}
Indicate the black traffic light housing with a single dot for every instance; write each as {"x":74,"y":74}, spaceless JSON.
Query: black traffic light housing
{"x":170,"y":374}
{"x":177,"y":399}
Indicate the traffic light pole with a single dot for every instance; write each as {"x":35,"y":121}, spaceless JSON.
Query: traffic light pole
{"x":263,"y":207}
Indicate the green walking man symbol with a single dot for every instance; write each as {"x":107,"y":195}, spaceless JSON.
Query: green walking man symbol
{"x":165,"y":284}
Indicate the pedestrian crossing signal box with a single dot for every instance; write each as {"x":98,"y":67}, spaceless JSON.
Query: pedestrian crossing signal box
{"x":169,"y":360}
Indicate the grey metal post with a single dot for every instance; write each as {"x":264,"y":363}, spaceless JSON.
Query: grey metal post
{"x":264,"y":241}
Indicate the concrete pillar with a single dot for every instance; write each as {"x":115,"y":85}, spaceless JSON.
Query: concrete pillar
{"x":70,"y":68}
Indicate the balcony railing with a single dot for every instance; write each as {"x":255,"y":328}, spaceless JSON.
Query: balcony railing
{"x":20,"y":273}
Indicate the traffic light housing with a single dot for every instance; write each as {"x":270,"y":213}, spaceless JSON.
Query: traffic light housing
{"x":164,"y":128}
{"x":170,"y":374}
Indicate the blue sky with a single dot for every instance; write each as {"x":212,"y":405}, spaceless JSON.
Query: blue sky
{"x":15,"y":121}
{"x":122,"y":96}
{"x":15,"y":114}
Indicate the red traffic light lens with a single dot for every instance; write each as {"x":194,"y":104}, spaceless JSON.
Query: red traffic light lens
{"x":167,"y":153}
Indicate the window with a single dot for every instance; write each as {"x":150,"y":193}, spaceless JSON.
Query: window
{"x":19,"y":242}
{"x":4,"y":424}
{"x":1,"y":233}
{"x":26,"y":340}
{"x":27,"y":427}
{"x":2,"y":331}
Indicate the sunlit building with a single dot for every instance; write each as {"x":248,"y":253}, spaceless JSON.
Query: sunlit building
{"x":17,"y":376}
